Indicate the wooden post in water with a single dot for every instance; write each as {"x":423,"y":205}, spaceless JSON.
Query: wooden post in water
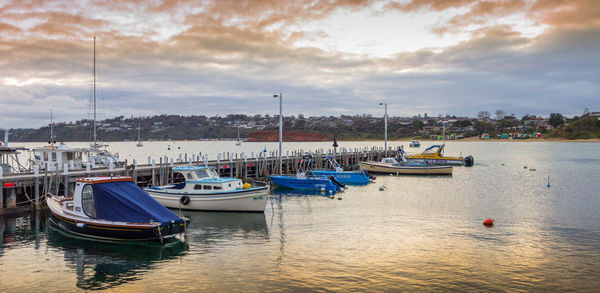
{"x":36,"y":187}
{"x":160,"y":171}
{"x":12,"y":198}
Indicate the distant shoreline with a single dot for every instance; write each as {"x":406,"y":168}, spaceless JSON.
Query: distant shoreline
{"x":407,"y":140}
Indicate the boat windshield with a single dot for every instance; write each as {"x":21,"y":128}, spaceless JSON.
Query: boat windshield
{"x":431,"y":150}
{"x":200,"y":174}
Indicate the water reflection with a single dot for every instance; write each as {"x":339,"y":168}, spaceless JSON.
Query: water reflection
{"x":18,"y":230}
{"x":103,"y":265}
{"x":210,"y":227}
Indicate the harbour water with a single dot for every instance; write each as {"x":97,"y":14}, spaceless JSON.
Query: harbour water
{"x":418,"y":234}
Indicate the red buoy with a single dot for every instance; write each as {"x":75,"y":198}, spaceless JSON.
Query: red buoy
{"x":488,"y":222}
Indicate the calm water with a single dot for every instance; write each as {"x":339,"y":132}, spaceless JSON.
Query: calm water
{"x":419,"y":234}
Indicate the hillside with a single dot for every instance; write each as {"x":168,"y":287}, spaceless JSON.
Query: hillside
{"x":584,"y":127}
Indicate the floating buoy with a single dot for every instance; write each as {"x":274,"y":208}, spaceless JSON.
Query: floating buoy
{"x":524,"y":167}
{"x":178,"y":147}
{"x":331,"y":192}
{"x":502,"y":164}
{"x":548,"y":182}
{"x":532,"y":169}
{"x":247,"y":185}
{"x":488,"y":222}
{"x":381,"y":188}
{"x":323,"y":190}
{"x":339,"y":198}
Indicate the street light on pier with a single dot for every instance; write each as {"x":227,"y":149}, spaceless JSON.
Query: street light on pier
{"x":385,"y":123}
{"x":280,"y":96}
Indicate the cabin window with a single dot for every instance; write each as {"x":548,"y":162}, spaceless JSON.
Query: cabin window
{"x":201,"y":174}
{"x":69,"y":156}
{"x":207,"y":187}
{"x":197,"y":186}
{"x":216,"y":187}
{"x":53,"y":157}
{"x":189,"y":176}
{"x":87,"y":201}
{"x":37,"y":156}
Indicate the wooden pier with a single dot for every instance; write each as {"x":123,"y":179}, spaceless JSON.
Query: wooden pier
{"x":22,"y":191}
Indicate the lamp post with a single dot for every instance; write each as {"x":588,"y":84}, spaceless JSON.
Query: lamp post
{"x":385,"y":123}
{"x":280,"y":96}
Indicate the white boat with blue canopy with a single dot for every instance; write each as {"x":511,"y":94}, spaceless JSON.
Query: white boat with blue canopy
{"x":203,"y":189}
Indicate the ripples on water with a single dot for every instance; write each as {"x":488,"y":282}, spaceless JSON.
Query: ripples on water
{"x":419,"y":234}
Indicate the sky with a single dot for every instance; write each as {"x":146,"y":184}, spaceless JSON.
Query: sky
{"x":331,"y":57}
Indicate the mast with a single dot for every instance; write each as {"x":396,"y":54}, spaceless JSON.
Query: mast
{"x":51,"y":128}
{"x":94,"y":122}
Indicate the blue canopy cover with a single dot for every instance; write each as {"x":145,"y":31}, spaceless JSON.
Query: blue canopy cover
{"x":125,"y":202}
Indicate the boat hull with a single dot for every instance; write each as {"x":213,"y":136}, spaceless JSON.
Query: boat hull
{"x":247,"y":200}
{"x":304,"y":184}
{"x":345,"y":177}
{"x":374,"y":167}
{"x":106,"y":230}
{"x":437,"y":162}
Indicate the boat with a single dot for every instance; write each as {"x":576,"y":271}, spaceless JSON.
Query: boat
{"x":434,"y":155}
{"x":305,"y":180}
{"x":346,"y":177}
{"x":139,"y":143}
{"x":113,"y":208}
{"x":204,"y":190}
{"x":391,"y":166}
{"x":415,"y":144}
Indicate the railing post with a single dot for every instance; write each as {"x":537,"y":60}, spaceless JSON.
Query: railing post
{"x":135,"y":170}
{"x":152,"y":170}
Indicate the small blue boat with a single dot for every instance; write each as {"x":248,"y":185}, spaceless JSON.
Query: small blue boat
{"x":305,"y":180}
{"x":346,"y":177}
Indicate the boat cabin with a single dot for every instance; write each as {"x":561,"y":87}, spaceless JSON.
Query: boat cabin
{"x":54,"y":157}
{"x":203,"y":179}
{"x":82,"y":202}
{"x":390,"y":161}
{"x":434,"y":150}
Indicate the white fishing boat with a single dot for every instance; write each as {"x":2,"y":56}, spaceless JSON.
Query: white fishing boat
{"x":415,"y":144}
{"x":391,"y":166}
{"x":203,"y":189}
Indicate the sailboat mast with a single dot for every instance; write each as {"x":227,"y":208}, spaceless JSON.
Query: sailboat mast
{"x":94,"y":123}
{"x":51,"y":128}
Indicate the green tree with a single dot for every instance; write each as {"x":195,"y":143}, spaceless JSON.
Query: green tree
{"x":556,"y":120}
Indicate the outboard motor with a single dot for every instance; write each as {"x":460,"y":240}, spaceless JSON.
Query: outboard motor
{"x":469,"y":161}
{"x":340,"y":184}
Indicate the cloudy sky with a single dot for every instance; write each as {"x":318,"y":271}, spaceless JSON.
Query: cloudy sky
{"x":326,"y":57}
